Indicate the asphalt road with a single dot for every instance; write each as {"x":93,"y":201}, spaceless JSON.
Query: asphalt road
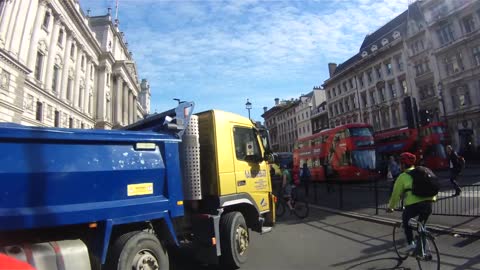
{"x":325,"y":241}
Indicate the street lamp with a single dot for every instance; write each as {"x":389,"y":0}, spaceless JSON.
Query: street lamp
{"x":440,"y":93}
{"x":248,"y":106}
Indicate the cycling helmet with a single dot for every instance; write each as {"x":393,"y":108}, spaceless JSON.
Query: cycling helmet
{"x":408,"y":158}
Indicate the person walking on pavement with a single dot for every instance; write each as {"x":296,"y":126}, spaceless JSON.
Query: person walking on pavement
{"x":393,"y":170}
{"x":287,"y":185}
{"x":455,"y":168}
{"x":414,"y":205}
{"x":305,"y":177}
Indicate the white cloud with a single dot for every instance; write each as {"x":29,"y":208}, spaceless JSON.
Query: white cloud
{"x":248,"y":44}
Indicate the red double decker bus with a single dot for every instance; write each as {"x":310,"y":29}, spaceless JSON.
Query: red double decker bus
{"x":427,"y":143}
{"x":343,"y":153}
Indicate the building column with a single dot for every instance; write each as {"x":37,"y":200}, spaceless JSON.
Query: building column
{"x":78,"y":70}
{"x":35,"y":33}
{"x":134,"y":109}
{"x":52,"y":53}
{"x":130,"y":107}
{"x":66,"y":60}
{"x":12,"y":22}
{"x":118,"y":100}
{"x":86,"y":98}
{"x":4,"y":20}
{"x":125,"y":104}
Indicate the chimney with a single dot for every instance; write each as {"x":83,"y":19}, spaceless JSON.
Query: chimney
{"x":265,"y":109}
{"x":331,"y":68}
{"x":277,"y":101}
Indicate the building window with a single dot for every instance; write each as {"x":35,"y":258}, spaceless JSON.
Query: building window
{"x":476,"y":55}
{"x":369,"y":76}
{"x":372,"y":97}
{"x":69,"y":88}
{"x":92,"y":68}
{"x":399,"y":62}
{"x":345,"y":89}
{"x":381,"y":93}
{"x":360,"y":79}
{"x":341,"y":108}
{"x":328,"y":94}
{"x":70,"y":122}
{"x":393,"y":90}
{"x":364,"y":99}
{"x":80,"y":97}
{"x":72,"y":51}
{"x":454,"y":63}
{"x":46,"y":20}
{"x":388,"y":65}
{"x":39,"y":113}
{"x":350,"y":82}
{"x":55,"y":78}
{"x":394,"y":117}
{"x":39,"y":66}
{"x":468,"y":24}
{"x":108,"y":79}
{"x":403,"y":83}
{"x":60,"y":37}
{"x":56,"y":120}
{"x":379,"y":72}
{"x":445,"y":34}
{"x":82,"y":63}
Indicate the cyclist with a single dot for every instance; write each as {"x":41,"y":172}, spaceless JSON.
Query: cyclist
{"x":287,"y":185}
{"x":414,"y":205}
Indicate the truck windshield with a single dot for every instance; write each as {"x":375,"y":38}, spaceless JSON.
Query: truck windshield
{"x":364,"y":159}
{"x":361,"y":132}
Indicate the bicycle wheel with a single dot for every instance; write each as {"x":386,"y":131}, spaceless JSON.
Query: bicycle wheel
{"x":280,"y":208}
{"x":301,"y":209}
{"x":400,"y":242}
{"x":429,"y":259}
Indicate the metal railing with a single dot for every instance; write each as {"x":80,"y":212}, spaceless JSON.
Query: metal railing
{"x":376,"y":194}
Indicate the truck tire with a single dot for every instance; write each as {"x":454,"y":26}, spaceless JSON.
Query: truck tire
{"x":135,"y":249}
{"x":234,"y":240}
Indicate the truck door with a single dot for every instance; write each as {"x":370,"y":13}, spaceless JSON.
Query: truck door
{"x":250,"y":169}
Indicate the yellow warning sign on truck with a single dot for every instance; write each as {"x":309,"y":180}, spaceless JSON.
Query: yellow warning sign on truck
{"x":140,"y":189}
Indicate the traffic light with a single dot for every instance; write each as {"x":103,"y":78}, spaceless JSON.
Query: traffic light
{"x":426,"y":117}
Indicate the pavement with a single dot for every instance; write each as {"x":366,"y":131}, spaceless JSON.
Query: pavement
{"x":456,"y":215}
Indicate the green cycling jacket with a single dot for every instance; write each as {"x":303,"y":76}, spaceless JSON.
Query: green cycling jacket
{"x":403,"y":185}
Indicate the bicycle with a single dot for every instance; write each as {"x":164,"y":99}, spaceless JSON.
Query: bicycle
{"x":426,"y":250}
{"x":300,"y":206}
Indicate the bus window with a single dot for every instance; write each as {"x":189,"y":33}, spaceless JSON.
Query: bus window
{"x":361,"y":132}
{"x":364,"y":159}
{"x":438,"y":130}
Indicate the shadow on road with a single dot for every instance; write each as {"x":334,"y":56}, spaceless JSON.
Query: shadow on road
{"x":374,"y":264}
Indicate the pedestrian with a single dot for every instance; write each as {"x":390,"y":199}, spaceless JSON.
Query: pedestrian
{"x":393,"y":171}
{"x":287,"y":185}
{"x":455,"y":168}
{"x":414,"y":205}
{"x":305,"y":177}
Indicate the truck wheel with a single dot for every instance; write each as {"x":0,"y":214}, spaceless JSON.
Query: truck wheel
{"x":138,"y":251}
{"x":234,"y":239}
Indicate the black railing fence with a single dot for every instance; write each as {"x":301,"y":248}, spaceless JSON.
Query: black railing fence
{"x":351,"y":196}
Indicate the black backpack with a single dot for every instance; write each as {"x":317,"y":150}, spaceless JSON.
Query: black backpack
{"x":425,"y":182}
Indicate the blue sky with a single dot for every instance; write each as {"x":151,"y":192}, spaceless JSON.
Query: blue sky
{"x":219,"y":53}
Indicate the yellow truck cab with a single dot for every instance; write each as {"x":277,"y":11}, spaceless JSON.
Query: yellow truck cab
{"x":234,"y":195}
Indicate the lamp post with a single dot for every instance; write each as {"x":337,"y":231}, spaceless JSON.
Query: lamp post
{"x":440,"y":93}
{"x":248,"y":106}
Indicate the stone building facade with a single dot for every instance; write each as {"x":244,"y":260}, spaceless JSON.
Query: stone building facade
{"x":448,"y":37}
{"x":429,"y":53}
{"x":60,"y":67}
{"x":370,"y":86}
{"x":281,"y":121}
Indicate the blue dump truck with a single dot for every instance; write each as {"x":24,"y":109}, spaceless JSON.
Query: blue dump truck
{"x":124,"y":199}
